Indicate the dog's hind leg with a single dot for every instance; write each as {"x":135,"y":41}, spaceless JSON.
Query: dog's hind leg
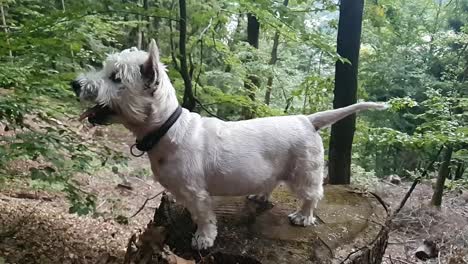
{"x":311,"y":193}
{"x":200,"y":207}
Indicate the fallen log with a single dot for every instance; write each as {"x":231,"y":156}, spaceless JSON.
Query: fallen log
{"x":352,"y":228}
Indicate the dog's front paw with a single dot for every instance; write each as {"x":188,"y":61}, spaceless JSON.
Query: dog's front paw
{"x":200,"y":241}
{"x":298,"y":219}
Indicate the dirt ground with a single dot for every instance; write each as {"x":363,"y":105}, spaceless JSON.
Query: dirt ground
{"x":35,"y":226}
{"x":418,"y":221}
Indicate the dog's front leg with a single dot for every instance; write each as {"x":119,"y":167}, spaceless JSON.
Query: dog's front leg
{"x":200,"y":207}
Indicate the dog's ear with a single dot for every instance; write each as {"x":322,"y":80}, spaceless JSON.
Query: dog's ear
{"x":150,"y":68}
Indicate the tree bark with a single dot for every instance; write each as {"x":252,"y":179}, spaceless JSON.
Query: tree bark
{"x":444,"y":171}
{"x":171,"y":40}
{"x":253,"y":30}
{"x":460,"y":170}
{"x":139,"y":30}
{"x":252,"y":82}
{"x":252,"y":232}
{"x":345,"y":92}
{"x":5,"y":28}
{"x":144,"y":38}
{"x":189,"y":99}
{"x":274,"y":58}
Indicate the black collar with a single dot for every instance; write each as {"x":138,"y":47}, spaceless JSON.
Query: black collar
{"x":153,"y":138}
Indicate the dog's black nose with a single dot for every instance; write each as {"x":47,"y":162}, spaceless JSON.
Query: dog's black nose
{"x":76,"y":86}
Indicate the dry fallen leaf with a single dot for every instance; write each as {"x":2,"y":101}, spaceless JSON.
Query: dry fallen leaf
{"x":172,"y":258}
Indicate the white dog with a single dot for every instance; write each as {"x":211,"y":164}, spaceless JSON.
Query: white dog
{"x":200,"y":157}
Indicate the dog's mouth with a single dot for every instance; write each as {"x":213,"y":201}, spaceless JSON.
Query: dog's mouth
{"x":98,"y":114}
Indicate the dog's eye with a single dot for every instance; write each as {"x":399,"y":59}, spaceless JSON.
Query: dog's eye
{"x":114,"y":78}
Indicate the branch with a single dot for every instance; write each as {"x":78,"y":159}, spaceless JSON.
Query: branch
{"x":200,"y":39}
{"x":199,"y":71}
{"x":416,"y":181}
{"x":209,"y":112}
{"x":144,"y":204}
{"x":66,"y":19}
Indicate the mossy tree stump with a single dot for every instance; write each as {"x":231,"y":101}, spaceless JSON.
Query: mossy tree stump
{"x":352,"y":228}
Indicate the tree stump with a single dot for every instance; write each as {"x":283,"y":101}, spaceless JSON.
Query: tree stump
{"x":352,"y":228}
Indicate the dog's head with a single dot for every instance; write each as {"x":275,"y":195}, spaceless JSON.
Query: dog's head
{"x":131,"y":86}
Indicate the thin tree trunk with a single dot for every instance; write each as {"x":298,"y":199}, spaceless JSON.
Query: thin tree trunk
{"x":444,"y":171}
{"x":171,"y":40}
{"x":460,"y":170}
{"x":139,"y":30}
{"x":319,"y":71}
{"x":306,"y":92}
{"x":232,"y":39}
{"x":144,"y":38}
{"x":252,"y":82}
{"x":345,"y":92}
{"x":274,"y":58}
{"x":72,"y":54}
{"x":189,"y":99}
{"x":5,"y":28}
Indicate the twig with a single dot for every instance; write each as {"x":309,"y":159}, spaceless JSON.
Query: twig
{"x":131,"y":241}
{"x":200,"y":39}
{"x":31,"y":196}
{"x":124,"y":186}
{"x":171,"y":41}
{"x":144,"y":204}
{"x":113,"y":12}
{"x":209,"y":112}
{"x":326,"y":245}
{"x":416,"y":181}
{"x":381,"y":201}
{"x":101,"y":204}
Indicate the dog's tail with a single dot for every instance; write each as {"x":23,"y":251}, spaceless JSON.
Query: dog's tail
{"x":326,"y":118}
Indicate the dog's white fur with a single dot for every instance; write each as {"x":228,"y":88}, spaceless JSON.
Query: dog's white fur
{"x":202,"y":157}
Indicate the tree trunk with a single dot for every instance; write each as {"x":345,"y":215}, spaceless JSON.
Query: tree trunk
{"x":5,"y":28}
{"x":444,"y":171}
{"x":253,"y":30}
{"x":252,"y":82}
{"x":189,"y":99}
{"x":274,"y":58}
{"x":171,"y":40}
{"x":460,"y":170}
{"x":342,"y":133}
{"x":139,"y":30}
{"x":352,"y":229}
{"x":144,"y":37}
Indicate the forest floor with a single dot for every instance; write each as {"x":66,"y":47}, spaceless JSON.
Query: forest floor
{"x":35,"y":226}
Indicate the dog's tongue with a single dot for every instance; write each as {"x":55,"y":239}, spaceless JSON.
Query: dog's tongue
{"x":90,"y":112}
